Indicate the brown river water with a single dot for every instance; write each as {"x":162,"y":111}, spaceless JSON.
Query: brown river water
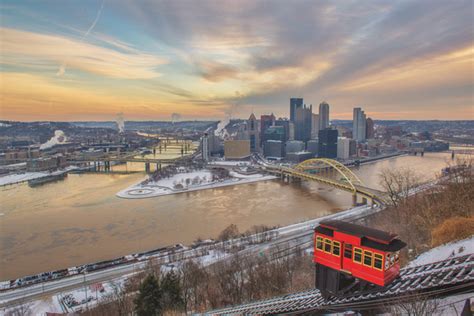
{"x":80,"y":220}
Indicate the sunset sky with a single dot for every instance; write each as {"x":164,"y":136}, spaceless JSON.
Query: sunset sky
{"x":91,"y":59}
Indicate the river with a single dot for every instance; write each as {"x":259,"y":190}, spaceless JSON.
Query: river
{"x":80,"y":220}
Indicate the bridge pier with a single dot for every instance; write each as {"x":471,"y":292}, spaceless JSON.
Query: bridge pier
{"x":147,"y":167}
{"x":354,"y":199}
{"x":158,"y":166}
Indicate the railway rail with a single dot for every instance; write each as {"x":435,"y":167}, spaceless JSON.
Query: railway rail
{"x":455,"y":275}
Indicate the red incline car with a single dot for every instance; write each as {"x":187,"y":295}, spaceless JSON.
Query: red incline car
{"x":346,"y":252}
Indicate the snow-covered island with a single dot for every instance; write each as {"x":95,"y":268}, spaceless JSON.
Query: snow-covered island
{"x":191,"y":180}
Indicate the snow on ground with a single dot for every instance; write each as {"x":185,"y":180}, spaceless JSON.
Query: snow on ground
{"x":13,"y":165}
{"x":450,"y":250}
{"x":167,"y":186}
{"x":204,"y":175}
{"x":71,"y":301}
{"x":21,"y":177}
{"x":229,"y":163}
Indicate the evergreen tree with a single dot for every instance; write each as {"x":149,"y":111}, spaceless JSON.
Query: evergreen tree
{"x":172,"y":292}
{"x":148,"y":301}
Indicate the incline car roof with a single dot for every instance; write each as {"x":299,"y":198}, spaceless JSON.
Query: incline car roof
{"x":359,"y":231}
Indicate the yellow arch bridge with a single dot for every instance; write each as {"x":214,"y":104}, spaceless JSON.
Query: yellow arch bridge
{"x":332,"y":173}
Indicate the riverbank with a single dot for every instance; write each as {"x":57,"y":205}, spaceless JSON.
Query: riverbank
{"x":188,"y":182}
{"x":55,"y":225}
{"x":23,"y":177}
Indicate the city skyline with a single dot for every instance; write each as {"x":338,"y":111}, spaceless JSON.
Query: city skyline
{"x":209,"y":60}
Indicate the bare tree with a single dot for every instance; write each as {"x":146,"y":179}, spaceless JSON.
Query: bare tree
{"x":398,"y":184}
{"x":123,"y":302}
{"x":21,"y":309}
{"x":229,"y":232}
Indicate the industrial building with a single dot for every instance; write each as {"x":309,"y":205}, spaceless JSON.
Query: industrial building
{"x":236,"y":149}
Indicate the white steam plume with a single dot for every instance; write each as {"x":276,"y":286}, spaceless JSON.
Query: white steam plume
{"x":120,"y":123}
{"x":58,"y":138}
{"x":175,"y":117}
{"x":221,"y":131}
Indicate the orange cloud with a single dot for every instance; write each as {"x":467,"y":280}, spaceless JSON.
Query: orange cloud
{"x":22,"y":48}
{"x":32,"y":97}
{"x":454,"y":67}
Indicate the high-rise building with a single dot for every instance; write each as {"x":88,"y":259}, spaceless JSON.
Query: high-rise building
{"x":275,"y":133}
{"x":343,"y":148}
{"x":303,"y":118}
{"x":352,"y":148}
{"x":265,"y":122}
{"x":291,"y":135}
{"x":294,"y":146}
{"x":274,"y":149}
{"x":252,"y":131}
{"x":327,"y":147}
{"x":359,"y":125}
{"x":314,"y":126}
{"x":312,"y":146}
{"x":285,"y":123}
{"x":205,"y":147}
{"x":370,"y":132}
{"x":295,"y":103}
{"x":323,"y":115}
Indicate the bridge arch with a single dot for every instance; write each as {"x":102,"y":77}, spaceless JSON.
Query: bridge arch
{"x":350,"y":177}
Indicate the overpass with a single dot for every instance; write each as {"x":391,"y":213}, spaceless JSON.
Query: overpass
{"x":329,"y":172}
{"x":105,"y":160}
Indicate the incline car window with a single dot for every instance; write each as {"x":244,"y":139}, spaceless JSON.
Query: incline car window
{"x":358,"y":255}
{"x":348,"y":251}
{"x":368,"y":258}
{"x":336,"y":248}
{"x":378,"y":261}
{"x":319,"y":243}
{"x":327,"y":245}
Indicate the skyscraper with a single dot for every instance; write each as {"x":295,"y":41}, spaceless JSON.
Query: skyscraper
{"x":314,"y":126}
{"x":327,"y":147}
{"x":295,"y":103}
{"x":370,"y":133}
{"x":359,"y":125}
{"x":275,"y":133}
{"x":205,"y":147}
{"x":265,"y":122}
{"x":252,"y":130}
{"x":285,"y":123}
{"x":303,"y":118}
{"x":323,"y":115}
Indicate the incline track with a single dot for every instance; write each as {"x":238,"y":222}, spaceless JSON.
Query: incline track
{"x":435,"y":279}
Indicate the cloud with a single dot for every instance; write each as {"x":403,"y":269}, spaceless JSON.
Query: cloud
{"x":214,"y":71}
{"x":22,"y":48}
{"x":383,"y":55}
{"x":30,"y":97}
